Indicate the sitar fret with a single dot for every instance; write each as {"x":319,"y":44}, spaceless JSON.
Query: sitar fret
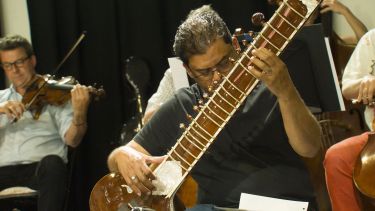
{"x":269,"y":42}
{"x":225,"y":100}
{"x":217,"y":105}
{"x":180,"y":144}
{"x":294,"y":10}
{"x":200,"y":134}
{"x":277,"y":31}
{"x":286,"y":21}
{"x":180,"y":158}
{"x":193,"y":143}
{"x":233,"y":87}
{"x":213,"y":112}
{"x":177,"y":161}
{"x":213,"y":121}
{"x":228,"y":94}
{"x":243,"y":66}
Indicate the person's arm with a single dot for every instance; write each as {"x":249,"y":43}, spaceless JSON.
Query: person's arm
{"x":335,"y":6}
{"x":12,"y":109}
{"x":132,"y":162}
{"x":301,"y":126}
{"x":77,"y":129}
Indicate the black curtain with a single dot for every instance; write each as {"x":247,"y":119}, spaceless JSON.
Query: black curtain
{"x":116,"y":29}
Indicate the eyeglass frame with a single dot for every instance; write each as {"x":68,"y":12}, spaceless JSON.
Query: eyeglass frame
{"x":207,"y":73}
{"x":18,"y":63}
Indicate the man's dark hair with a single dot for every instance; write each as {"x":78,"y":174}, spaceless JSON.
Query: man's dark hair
{"x":200,"y":29}
{"x":16,"y":41}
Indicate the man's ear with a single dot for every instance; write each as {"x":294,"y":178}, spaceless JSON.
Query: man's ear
{"x":188,"y":70}
{"x":33,"y":60}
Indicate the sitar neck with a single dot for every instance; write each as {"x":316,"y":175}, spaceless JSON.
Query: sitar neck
{"x":237,"y":85}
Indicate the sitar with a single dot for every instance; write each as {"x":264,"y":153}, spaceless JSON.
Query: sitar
{"x":112,"y":193}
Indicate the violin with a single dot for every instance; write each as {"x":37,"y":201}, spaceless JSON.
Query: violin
{"x":44,"y":90}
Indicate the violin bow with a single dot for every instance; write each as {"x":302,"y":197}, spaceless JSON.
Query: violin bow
{"x":72,"y":49}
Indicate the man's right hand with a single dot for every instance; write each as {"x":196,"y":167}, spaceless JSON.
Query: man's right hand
{"x":13,"y":109}
{"x":134,"y":167}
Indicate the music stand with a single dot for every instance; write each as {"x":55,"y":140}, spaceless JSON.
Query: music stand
{"x":327,"y":89}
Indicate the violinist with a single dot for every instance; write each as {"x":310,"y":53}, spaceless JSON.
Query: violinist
{"x":358,"y":84}
{"x":33,"y":153}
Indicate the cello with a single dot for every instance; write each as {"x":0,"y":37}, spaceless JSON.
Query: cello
{"x":363,"y":175}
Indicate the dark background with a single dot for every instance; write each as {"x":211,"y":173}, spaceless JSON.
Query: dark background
{"x":116,"y":29}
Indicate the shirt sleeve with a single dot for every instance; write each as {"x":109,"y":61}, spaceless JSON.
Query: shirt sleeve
{"x":361,"y":63}
{"x":164,"y":92}
{"x":4,"y":96}
{"x":63,"y":118}
{"x":162,"y":131}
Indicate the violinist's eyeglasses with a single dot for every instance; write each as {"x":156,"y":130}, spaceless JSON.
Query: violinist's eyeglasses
{"x":18,"y":63}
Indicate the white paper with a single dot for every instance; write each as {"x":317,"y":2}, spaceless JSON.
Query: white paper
{"x":252,"y":202}
{"x":179,"y":75}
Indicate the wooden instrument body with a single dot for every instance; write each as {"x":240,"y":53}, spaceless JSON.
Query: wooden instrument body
{"x":364,"y":172}
{"x":113,"y":189}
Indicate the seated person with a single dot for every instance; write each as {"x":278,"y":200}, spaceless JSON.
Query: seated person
{"x":358,"y":83}
{"x":246,"y":157}
{"x":33,"y":152}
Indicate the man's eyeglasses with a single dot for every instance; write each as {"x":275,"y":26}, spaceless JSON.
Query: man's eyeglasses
{"x":18,"y":63}
{"x":206,"y":74}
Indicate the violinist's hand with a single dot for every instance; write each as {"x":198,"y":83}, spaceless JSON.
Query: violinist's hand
{"x":366,"y":90}
{"x":80,"y":103}
{"x":272,"y":71}
{"x":13,"y":109}
{"x":334,"y":6}
{"x":134,"y":167}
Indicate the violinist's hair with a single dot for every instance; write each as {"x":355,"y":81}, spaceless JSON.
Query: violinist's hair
{"x":200,"y":29}
{"x":16,"y":41}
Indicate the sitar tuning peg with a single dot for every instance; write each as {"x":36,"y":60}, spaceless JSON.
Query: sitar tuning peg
{"x":196,"y":108}
{"x":189,"y":117}
{"x":238,"y":31}
{"x":245,"y":42}
{"x":182,"y":126}
{"x":236,"y":44}
{"x":258,"y":19}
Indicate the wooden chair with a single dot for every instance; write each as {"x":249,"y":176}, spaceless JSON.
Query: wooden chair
{"x":25,"y":199}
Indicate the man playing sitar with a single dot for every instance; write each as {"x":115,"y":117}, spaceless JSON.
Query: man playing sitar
{"x":267,"y":124}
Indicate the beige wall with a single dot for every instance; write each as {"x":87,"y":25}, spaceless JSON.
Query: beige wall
{"x":363,"y":9}
{"x":14,"y":18}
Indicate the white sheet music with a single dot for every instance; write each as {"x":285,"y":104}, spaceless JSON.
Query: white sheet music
{"x":252,"y":202}
{"x":179,"y":75}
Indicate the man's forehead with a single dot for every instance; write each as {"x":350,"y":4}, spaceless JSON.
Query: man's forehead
{"x":211,"y":58}
{"x":13,"y":52}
